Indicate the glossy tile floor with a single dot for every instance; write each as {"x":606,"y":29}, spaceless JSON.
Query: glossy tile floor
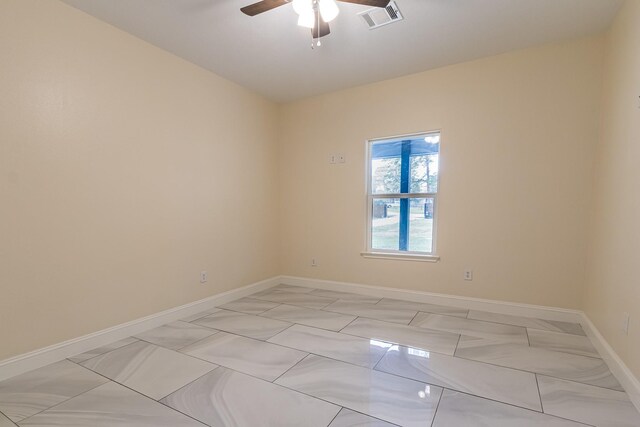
{"x":291,"y":356}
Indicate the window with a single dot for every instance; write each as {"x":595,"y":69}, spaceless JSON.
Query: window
{"x":402,"y":195}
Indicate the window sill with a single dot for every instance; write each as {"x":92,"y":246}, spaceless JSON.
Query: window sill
{"x":400,"y":257}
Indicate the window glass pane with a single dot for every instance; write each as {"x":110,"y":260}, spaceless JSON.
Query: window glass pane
{"x":424,"y":173}
{"x":385,"y":175}
{"x":385,"y":227}
{"x":421,"y":225}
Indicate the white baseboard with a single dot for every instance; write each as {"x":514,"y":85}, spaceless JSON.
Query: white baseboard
{"x":494,"y":306}
{"x":619,"y":369}
{"x":617,"y":366}
{"x":54,"y":353}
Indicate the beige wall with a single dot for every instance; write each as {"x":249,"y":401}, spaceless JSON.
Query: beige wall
{"x":124,"y":172}
{"x":518,"y":138}
{"x":613,"y":285}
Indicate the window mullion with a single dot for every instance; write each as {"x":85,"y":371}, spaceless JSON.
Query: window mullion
{"x":404,"y":188}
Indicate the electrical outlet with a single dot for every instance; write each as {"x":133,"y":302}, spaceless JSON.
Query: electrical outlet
{"x":203,"y":277}
{"x":314,"y":262}
{"x":333,"y":159}
{"x":468,"y":275}
{"x":625,"y":323}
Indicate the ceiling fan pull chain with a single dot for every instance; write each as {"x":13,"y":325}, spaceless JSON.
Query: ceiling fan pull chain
{"x":317,"y":23}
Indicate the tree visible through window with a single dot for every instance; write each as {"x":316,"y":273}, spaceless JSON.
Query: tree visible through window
{"x":403,"y":187}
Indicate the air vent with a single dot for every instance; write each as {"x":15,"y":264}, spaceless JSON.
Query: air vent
{"x":379,"y":17}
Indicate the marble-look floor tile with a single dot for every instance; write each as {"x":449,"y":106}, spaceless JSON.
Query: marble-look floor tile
{"x":27,"y":394}
{"x":585,"y":403}
{"x":462,"y":410}
{"x":473,"y":328}
{"x":387,"y":397}
{"x":493,"y":382}
{"x":349,"y":418}
{"x":200,"y":315}
{"x":176,"y":335}
{"x":567,"y":343}
{"x":102,"y":350}
{"x":111,"y":405}
{"x":310,"y":317}
{"x":373,"y":311}
{"x":247,"y":325}
{"x":424,"y":307}
{"x":151,"y":370}
{"x":249,"y":305}
{"x":588,"y":370}
{"x":441,"y":342}
{"x":257,"y":358}
{"x":6,"y":422}
{"x":228,"y":398}
{"x":345,"y":296}
{"x":348,"y":348}
{"x":527,"y":322}
{"x":295,"y":298}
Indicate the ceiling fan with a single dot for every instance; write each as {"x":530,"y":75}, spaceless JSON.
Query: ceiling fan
{"x":313,"y":14}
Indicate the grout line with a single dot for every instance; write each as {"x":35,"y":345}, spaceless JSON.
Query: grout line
{"x":435,"y":412}
{"x":292,"y":366}
{"x":457,"y":390}
{"x":215,"y":331}
{"x":515,"y":406}
{"x":413,"y":318}
{"x":179,"y":350}
{"x":2,"y":414}
{"x":329,"y":357}
{"x":106,"y":352}
{"x":68,"y":399}
{"x":529,"y":327}
{"x":253,"y":314}
{"x":418,"y":329}
{"x":337,"y":404}
{"x":348,"y":324}
{"x":567,"y":351}
{"x":366,"y":415}
{"x":539,"y":373}
{"x":380,"y":360}
{"x":376,"y":303}
{"x":158,"y":401}
{"x":539,"y":394}
{"x":180,"y":388}
{"x":336,"y":416}
{"x":457,"y":344}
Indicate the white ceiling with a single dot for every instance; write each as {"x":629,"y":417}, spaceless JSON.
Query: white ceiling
{"x":270,"y":54}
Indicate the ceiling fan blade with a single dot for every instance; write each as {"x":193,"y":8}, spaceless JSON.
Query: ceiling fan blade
{"x":321,"y":28}
{"x":263,"y":6}
{"x":373,"y":3}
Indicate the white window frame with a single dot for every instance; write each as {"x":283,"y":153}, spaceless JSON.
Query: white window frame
{"x":398,"y":254}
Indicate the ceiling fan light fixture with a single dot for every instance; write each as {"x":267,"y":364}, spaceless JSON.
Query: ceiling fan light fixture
{"x":302,"y":6}
{"x":307,"y":19}
{"x":328,"y":9}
